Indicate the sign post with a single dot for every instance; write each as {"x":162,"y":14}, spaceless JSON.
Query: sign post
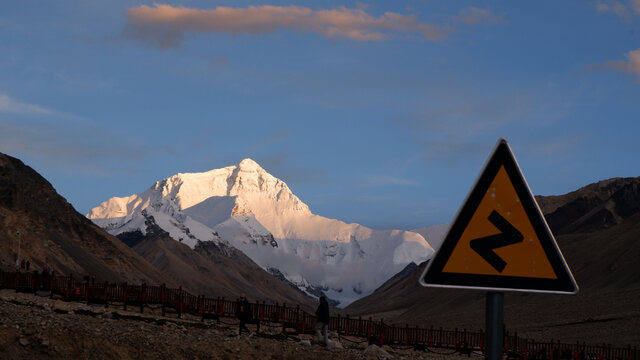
{"x":500,"y":241}
{"x":493,"y":325}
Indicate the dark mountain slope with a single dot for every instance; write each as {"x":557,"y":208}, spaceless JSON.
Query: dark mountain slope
{"x":54,"y":233}
{"x":593,"y":207}
{"x":603,"y":256}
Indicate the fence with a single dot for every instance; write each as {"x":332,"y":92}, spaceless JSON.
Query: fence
{"x":179,"y":301}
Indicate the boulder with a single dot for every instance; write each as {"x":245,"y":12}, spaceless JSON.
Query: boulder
{"x":380,"y":353}
{"x":305,"y":342}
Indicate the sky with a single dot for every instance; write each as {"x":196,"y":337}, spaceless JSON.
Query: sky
{"x":381,"y":112}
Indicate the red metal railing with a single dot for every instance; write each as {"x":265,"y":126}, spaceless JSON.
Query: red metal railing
{"x":179,"y":301}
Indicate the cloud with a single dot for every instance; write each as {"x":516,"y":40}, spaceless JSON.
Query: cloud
{"x":165,"y":26}
{"x":621,"y":11}
{"x":65,"y":142}
{"x":81,"y":149}
{"x":631,"y":66}
{"x":624,"y":12}
{"x":9,"y":105}
{"x":602,"y":7}
{"x":475,"y":16}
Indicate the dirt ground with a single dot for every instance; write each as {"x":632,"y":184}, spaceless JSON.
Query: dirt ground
{"x":33,"y":327}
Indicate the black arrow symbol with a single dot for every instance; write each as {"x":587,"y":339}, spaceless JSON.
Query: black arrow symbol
{"x":484,"y":246}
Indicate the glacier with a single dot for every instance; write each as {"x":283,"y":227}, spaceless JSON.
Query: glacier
{"x":246,"y":207}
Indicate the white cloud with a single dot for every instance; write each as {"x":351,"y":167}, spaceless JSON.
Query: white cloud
{"x":9,"y":105}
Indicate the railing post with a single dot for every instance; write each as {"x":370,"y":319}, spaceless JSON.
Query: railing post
{"x":346,"y":327}
{"x":201,"y":301}
{"x":221,"y":308}
{"x":431,"y":336}
{"x":284,"y":311}
{"x":163,"y":297}
{"x":69,"y":287}
{"x":106,"y":293}
{"x":369,"y":330}
{"x":381,"y":331}
{"x":124,"y":296}
{"x":143,"y":295}
{"x":506,"y":342}
{"x":86,"y":292}
{"x":406,"y":334}
{"x":180,"y":302}
{"x":50,"y":286}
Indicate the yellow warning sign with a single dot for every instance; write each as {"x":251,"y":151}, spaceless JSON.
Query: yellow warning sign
{"x":500,"y":239}
{"x":524,"y":258}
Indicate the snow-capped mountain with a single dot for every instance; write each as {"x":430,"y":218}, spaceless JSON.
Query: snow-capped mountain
{"x":247,"y":208}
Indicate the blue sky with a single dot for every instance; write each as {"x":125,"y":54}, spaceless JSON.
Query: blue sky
{"x":381,"y":113}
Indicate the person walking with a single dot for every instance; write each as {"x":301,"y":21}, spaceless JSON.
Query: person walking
{"x":244,"y":314}
{"x":322,"y":321}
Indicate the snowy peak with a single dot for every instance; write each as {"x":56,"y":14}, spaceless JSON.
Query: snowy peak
{"x":252,"y":186}
{"x":246,"y":207}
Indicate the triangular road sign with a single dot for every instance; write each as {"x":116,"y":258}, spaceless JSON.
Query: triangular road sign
{"x":500,"y":239}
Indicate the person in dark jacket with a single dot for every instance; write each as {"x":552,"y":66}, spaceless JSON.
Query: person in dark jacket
{"x":244,"y":314}
{"x":322,"y":321}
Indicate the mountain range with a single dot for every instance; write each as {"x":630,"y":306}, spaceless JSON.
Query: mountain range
{"x":597,"y":229}
{"x":244,"y":207}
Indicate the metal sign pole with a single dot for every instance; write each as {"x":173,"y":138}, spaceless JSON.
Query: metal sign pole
{"x":493,"y":325}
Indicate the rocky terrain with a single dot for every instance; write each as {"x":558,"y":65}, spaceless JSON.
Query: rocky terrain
{"x":33,"y":327}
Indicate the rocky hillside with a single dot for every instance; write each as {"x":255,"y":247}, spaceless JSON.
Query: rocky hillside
{"x":594,"y":207}
{"x":53,"y":233}
{"x":599,"y":227}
